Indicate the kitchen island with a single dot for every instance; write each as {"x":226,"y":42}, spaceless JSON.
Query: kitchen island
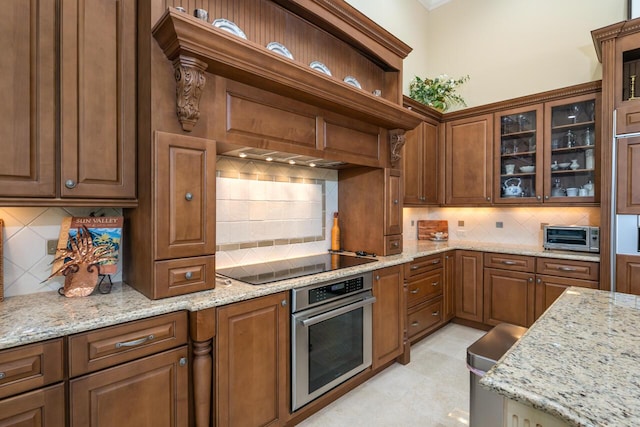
{"x":579,"y":361}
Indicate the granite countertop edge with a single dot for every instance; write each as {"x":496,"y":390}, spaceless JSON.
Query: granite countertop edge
{"x":37,"y":317}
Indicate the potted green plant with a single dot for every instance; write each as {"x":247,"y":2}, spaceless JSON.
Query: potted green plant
{"x":439,"y":92}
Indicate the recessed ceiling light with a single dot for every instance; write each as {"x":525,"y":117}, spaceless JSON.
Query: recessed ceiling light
{"x":242,"y":155}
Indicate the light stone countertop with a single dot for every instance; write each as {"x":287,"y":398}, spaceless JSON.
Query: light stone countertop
{"x":41,"y":316}
{"x":580,"y":361}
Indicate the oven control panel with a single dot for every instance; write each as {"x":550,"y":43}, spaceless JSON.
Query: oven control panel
{"x":335,"y":289}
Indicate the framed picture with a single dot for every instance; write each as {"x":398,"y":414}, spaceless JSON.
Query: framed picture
{"x":633,"y":9}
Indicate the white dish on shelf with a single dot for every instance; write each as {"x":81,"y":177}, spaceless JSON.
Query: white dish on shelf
{"x":564,"y":165}
{"x":280,"y":49}
{"x":527,"y":169}
{"x":352,"y":81}
{"x":229,"y":26}
{"x":319,"y":66}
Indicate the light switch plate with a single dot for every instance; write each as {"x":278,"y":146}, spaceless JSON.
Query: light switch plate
{"x":52,"y":245}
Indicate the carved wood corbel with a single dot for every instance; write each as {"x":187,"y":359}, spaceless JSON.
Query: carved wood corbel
{"x":190,"y":80}
{"x":396,"y":141}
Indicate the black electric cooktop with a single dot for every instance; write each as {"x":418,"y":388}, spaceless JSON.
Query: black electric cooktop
{"x":267,"y":272}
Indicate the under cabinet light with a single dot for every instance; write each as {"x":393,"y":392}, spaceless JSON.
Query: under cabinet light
{"x":242,"y":155}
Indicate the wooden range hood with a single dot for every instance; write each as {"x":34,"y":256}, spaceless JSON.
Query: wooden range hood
{"x":195,"y":47}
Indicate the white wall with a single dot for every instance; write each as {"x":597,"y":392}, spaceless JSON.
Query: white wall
{"x":510,"y":48}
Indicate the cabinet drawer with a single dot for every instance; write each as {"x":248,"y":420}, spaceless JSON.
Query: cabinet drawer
{"x":183,"y":276}
{"x":425,"y":287}
{"x":568,"y":268}
{"x":422,"y":265}
{"x":393,"y":244}
{"x":30,"y":366}
{"x":102,"y":348}
{"x":510,"y":262}
{"x":424,"y":316}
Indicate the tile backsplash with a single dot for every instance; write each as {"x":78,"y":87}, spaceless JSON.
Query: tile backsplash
{"x":519,"y":225}
{"x":267,"y":211}
{"x":27,"y":229}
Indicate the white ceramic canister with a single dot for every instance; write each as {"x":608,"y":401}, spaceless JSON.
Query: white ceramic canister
{"x":588,"y":158}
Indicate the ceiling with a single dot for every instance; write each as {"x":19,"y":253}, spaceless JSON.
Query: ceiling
{"x":432,"y":4}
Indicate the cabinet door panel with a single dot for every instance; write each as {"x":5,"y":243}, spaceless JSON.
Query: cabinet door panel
{"x":251,"y":362}
{"x":43,"y":407}
{"x":469,"y":161}
{"x":388,"y":315}
{"x":98,"y":98}
{"x":185,"y":196}
{"x":150,"y":392}
{"x":393,"y":214}
{"x":413,"y":166}
{"x":628,"y":274}
{"x":508,"y":297}
{"x":28,"y":92}
{"x":469,"y":285}
{"x":628,"y":176}
{"x":549,"y":288}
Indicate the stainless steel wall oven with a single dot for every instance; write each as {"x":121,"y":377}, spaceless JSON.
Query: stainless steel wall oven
{"x":331,"y":335}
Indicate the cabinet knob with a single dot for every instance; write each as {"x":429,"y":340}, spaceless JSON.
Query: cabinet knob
{"x":539,"y":197}
{"x":396,"y":201}
{"x":70,"y":183}
{"x":188,"y":197}
{"x":395,"y":244}
{"x":183,"y":361}
{"x":539,"y":280}
{"x":283,"y":303}
{"x":546,"y":197}
{"x":2,"y":375}
{"x":530,"y":279}
{"x":488,"y":199}
{"x":423,"y":199}
{"x":188,"y":275}
{"x":377,"y":277}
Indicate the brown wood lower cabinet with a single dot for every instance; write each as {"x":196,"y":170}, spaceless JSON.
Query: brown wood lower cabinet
{"x":152,"y":391}
{"x":42,"y":407}
{"x":508,"y":297}
{"x":628,"y":274}
{"x":469,"y":285}
{"x":252,"y":362}
{"x":388,"y":315}
{"x":549,"y":288}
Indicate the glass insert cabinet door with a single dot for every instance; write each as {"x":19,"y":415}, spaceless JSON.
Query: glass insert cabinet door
{"x":518,"y":155}
{"x":571,"y":150}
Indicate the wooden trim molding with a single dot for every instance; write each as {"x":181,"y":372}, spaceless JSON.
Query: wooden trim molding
{"x":397,"y":140}
{"x":190,"y":80}
{"x":181,"y":35}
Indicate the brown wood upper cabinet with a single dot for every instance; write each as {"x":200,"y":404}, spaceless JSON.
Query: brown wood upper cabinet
{"x":370,"y":203}
{"x":179,"y":211}
{"x":420,"y":161}
{"x":96,"y":103}
{"x":468,"y":161}
{"x":628,"y":178}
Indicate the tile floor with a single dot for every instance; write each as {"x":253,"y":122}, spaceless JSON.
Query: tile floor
{"x":431,"y":391}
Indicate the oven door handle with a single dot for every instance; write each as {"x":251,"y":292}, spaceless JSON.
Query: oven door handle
{"x":337,"y":312}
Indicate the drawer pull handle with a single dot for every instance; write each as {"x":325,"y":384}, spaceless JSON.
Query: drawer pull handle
{"x":435,"y":261}
{"x":505,"y":262}
{"x":566,"y":268}
{"x":135,"y":342}
{"x":415,"y":267}
{"x":395,"y":244}
{"x":415,"y":291}
{"x":435,"y":283}
{"x":415,"y":323}
{"x":436,"y":313}
{"x":188,"y":275}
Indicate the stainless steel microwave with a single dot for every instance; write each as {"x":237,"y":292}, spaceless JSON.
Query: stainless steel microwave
{"x":582,"y":238}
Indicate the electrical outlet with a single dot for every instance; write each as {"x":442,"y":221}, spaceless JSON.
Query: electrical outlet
{"x":52,"y":245}
{"x":413,"y":223}
{"x":460,"y":223}
{"x":461,"y":233}
{"x":498,"y":224}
